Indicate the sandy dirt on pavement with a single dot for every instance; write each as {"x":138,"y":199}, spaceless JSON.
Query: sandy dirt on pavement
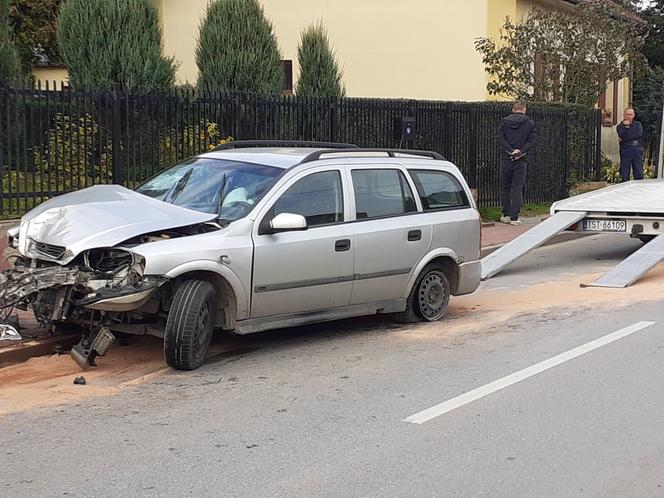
{"x":487,"y":308}
{"x":48,"y":381}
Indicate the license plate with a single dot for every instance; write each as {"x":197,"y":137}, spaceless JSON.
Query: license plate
{"x":605,"y":225}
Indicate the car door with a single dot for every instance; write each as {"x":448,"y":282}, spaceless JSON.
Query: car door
{"x":454,"y":222}
{"x":307,"y":270}
{"x":391,"y":232}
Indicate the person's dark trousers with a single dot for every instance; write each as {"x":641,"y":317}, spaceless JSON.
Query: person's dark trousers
{"x":631,"y":160}
{"x":512,"y":180}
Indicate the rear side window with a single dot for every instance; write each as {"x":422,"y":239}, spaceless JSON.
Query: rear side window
{"x":381,"y":192}
{"x":318,"y":197}
{"x":439,"y":190}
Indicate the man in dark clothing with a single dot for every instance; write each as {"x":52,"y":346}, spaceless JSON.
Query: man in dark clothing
{"x":517,"y":138}
{"x":630,"y":133}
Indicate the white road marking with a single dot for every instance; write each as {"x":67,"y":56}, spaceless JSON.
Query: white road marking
{"x":497,"y":385}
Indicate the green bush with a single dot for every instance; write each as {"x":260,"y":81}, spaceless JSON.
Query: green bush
{"x":237,"y":50}
{"x":106,"y":42}
{"x":611,"y":171}
{"x":75,"y":155}
{"x":196,"y":138}
{"x":320,"y":74}
{"x":10,"y":66}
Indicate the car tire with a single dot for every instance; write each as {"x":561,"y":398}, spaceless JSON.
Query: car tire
{"x":429,"y":297}
{"x":190,"y":325}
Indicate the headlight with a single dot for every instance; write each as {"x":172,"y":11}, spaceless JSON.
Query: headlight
{"x":112,"y":260}
{"x":12,"y":237}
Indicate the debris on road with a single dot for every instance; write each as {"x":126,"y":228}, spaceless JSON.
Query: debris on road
{"x":9,"y":333}
{"x":85,"y":352}
{"x":79,"y":381}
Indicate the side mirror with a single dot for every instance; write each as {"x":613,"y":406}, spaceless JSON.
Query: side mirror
{"x":288,"y":222}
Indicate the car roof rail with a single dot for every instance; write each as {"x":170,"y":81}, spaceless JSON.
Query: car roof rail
{"x":429,"y":154}
{"x":238,"y":144}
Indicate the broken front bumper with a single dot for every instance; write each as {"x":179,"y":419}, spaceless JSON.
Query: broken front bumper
{"x":22,"y":285}
{"x":18,"y":283}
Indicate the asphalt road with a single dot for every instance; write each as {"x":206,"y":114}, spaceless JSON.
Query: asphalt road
{"x":325,"y":410}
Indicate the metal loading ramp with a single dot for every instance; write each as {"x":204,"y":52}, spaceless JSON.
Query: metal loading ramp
{"x":533,"y":238}
{"x":634,"y":267}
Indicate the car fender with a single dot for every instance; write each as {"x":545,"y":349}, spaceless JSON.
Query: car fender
{"x":426,"y":259}
{"x":222,"y":270}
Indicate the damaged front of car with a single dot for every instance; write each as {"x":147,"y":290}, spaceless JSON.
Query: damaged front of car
{"x":74,"y":262}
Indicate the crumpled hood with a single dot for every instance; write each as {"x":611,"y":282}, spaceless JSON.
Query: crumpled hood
{"x":516,"y":119}
{"x":100,"y":216}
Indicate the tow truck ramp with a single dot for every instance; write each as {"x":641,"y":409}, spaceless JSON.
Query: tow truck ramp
{"x":634,"y":267}
{"x":530,"y":240}
{"x":638,"y":206}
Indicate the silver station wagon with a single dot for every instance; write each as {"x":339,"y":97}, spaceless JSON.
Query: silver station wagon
{"x":248,"y":237}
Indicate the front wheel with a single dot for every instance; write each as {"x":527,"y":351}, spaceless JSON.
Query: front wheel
{"x":190,"y":324}
{"x":429,"y":297}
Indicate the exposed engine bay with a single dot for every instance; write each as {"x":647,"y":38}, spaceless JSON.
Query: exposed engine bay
{"x":102,"y":290}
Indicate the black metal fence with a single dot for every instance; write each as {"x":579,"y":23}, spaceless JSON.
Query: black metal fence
{"x":53,"y":142}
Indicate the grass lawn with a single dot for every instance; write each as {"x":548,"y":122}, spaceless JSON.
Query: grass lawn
{"x":528,"y":210}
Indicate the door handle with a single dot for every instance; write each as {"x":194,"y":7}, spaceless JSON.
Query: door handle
{"x":414,"y":235}
{"x":342,"y":245}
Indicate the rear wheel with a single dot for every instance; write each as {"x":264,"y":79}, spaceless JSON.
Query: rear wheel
{"x":429,"y":297}
{"x":190,"y":324}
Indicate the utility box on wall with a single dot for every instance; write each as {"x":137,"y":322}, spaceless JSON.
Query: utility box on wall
{"x":404,"y":128}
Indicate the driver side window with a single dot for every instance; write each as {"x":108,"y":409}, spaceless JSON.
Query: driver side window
{"x":318,"y":197}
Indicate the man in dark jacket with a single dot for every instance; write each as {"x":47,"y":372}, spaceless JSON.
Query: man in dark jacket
{"x":630,"y":133}
{"x":517,"y":138}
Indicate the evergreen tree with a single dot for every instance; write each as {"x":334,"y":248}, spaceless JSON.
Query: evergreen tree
{"x":648,"y":100}
{"x":237,"y":50}
{"x":320,"y":74}
{"x":35,"y":24}
{"x":654,"y":45}
{"x":10,"y":67}
{"x":106,"y":42}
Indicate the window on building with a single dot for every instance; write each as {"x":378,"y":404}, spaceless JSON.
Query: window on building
{"x":287,"y":86}
{"x":607,"y":115}
{"x":539,"y":81}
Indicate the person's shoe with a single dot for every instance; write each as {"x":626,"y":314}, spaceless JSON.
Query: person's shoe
{"x":505,"y":219}
{"x":516,"y":222}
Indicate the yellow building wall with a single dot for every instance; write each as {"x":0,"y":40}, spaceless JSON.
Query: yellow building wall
{"x":498,"y":12}
{"x":421,"y":49}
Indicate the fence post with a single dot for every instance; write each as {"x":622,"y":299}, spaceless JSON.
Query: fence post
{"x":598,"y":145}
{"x":116,"y":137}
{"x":565,"y":156}
{"x":333,"y":121}
{"x":472,"y":148}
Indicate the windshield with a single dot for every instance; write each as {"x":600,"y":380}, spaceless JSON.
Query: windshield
{"x":216,"y":186}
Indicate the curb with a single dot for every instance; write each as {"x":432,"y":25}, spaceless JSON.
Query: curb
{"x":22,"y":352}
{"x":9,"y":223}
{"x":556,"y":239}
